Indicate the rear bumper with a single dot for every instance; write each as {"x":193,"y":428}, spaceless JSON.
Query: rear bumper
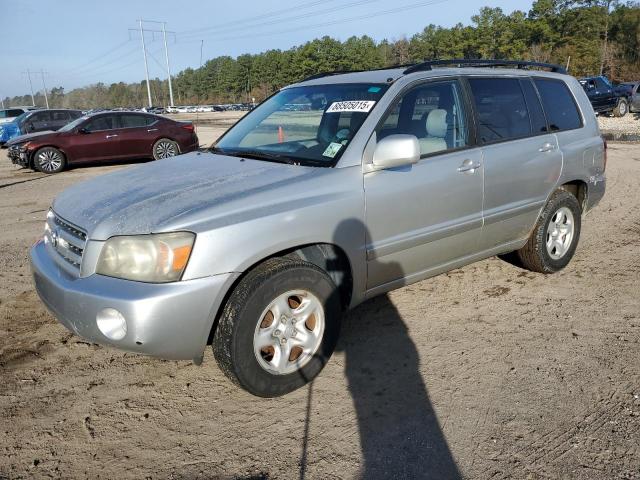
{"x":170,"y":321}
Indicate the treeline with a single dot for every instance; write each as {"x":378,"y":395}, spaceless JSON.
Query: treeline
{"x":592,"y":36}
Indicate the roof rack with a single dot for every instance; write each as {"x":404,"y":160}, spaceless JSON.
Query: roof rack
{"x":477,"y":63}
{"x":342,"y":72}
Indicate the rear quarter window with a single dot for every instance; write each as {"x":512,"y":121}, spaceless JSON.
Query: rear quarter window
{"x":559,"y":105}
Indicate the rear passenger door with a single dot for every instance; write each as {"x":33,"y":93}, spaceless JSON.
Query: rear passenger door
{"x":137,"y":135}
{"x":522,"y":161}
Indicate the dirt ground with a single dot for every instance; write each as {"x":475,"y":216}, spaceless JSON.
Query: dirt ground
{"x":487,"y":372}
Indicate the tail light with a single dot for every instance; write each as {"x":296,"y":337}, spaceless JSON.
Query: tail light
{"x":606,"y":148}
{"x":189,"y":127}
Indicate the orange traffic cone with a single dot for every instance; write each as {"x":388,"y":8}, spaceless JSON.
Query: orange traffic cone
{"x":280,"y":135}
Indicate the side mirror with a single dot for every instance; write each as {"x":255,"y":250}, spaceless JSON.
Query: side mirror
{"x":31,"y":126}
{"x":83,"y":130}
{"x":396,"y":151}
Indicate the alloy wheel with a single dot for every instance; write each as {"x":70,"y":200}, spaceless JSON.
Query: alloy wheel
{"x":50,"y":160}
{"x":166,"y":149}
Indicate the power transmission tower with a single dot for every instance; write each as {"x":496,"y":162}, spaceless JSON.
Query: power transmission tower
{"x":164,"y":32}
{"x":46,"y":98}
{"x":146,"y":66}
{"x":33,"y":100}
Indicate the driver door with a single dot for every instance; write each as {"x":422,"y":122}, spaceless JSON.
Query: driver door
{"x":96,"y":139}
{"x":423,"y":218}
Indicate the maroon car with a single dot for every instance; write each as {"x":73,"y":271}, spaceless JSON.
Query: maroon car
{"x":104,"y":136}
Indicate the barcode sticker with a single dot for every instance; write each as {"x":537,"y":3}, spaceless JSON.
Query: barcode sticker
{"x":363,"y":106}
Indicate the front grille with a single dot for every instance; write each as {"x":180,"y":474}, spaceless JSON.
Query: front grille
{"x":67,"y":240}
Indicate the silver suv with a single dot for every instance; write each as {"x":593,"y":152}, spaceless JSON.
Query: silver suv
{"x":332,"y":191}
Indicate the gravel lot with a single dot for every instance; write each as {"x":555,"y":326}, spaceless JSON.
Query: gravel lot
{"x":487,"y":372}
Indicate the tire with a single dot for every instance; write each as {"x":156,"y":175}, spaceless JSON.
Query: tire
{"x":165,"y":148}
{"x":250,"y":345}
{"x":49,"y":160}
{"x":621,"y":109}
{"x":555,"y":237}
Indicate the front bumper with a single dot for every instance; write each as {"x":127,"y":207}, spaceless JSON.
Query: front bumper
{"x":18,"y":157}
{"x":171,"y":320}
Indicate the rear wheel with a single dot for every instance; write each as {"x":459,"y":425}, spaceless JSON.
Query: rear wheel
{"x":49,"y":160}
{"x":622,"y":109}
{"x":278,"y":328}
{"x":555,"y":237}
{"x":165,"y":148}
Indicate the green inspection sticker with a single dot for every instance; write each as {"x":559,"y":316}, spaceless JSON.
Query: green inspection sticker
{"x":332,"y":150}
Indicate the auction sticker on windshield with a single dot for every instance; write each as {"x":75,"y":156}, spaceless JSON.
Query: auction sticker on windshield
{"x":332,"y":150}
{"x":364,"y":106}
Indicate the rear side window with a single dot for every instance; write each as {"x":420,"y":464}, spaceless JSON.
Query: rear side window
{"x":60,"y":115}
{"x":501,"y":109}
{"x":536,"y":113}
{"x":133,"y":121}
{"x":559,"y":105}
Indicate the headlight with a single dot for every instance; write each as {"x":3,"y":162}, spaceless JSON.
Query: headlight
{"x":156,"y":258}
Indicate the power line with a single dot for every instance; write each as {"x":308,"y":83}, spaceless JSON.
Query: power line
{"x":335,"y":22}
{"x":100,"y":57}
{"x":273,"y":13}
{"x":260,"y":23}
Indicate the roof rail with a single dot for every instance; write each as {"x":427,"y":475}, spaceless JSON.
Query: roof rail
{"x":476,"y":63}
{"x":342,"y":72}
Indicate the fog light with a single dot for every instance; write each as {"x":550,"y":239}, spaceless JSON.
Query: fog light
{"x":112,"y":323}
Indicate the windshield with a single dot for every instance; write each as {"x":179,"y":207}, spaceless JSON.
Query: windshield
{"x":307,"y":125}
{"x":70,"y":126}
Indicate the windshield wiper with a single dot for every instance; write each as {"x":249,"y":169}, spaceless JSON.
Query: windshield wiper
{"x":256,"y":155}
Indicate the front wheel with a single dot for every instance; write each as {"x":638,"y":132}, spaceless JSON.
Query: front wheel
{"x":49,"y":160}
{"x":165,"y":148}
{"x":555,"y":237}
{"x":622,"y":109}
{"x":279,"y":327}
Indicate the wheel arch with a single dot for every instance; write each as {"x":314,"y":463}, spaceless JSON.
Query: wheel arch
{"x":327,"y":256}
{"x":579,"y":189}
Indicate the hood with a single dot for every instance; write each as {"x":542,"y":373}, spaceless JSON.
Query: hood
{"x":182,"y":193}
{"x":27,"y":137}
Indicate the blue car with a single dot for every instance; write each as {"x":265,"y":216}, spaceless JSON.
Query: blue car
{"x":37,"y":121}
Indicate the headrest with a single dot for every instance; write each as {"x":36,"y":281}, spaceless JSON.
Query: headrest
{"x":437,"y":123}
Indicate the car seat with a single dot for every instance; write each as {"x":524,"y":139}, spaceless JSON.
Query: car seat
{"x":436,"y":132}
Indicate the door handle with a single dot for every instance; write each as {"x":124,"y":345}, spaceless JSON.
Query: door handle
{"x":547,"y":147}
{"x":111,"y":136}
{"x":468,"y":167}
{"x":152,"y":130}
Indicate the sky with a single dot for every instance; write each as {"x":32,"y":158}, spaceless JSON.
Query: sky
{"x":81,"y":42}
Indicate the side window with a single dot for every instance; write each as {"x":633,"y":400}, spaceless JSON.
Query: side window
{"x":15,"y":113}
{"x":59,"y":116}
{"x":40,"y":117}
{"x":150,"y":120}
{"x":434,"y":113}
{"x":536,"y":112}
{"x":559,"y":105}
{"x":105,"y":122}
{"x":74,"y":115}
{"x":133,"y":121}
{"x":501,"y":109}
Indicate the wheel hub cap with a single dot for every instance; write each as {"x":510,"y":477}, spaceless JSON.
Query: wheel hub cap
{"x":560,"y":233}
{"x":289,"y":332}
